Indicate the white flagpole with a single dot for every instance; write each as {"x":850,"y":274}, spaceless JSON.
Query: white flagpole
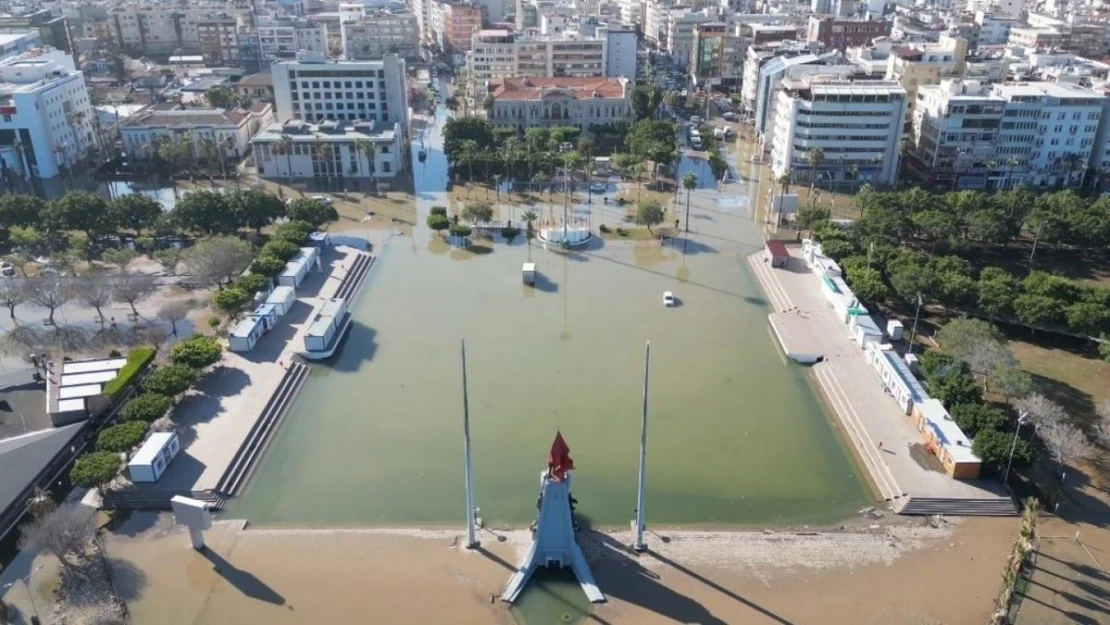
{"x":640,"y":545}
{"x":471,"y":538}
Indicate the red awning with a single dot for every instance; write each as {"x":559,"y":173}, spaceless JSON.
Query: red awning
{"x":558,"y":459}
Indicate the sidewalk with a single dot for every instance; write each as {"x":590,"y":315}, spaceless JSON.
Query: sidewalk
{"x":901,"y":468}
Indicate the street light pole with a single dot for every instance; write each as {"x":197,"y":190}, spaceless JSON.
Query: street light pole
{"x":916,"y":316}
{"x":1013,"y":446}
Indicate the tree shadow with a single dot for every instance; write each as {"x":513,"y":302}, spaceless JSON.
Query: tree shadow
{"x":1080,"y":406}
{"x":223,"y":381}
{"x":544,"y":284}
{"x":243,"y":581}
{"x":128,"y":580}
{"x":691,"y":247}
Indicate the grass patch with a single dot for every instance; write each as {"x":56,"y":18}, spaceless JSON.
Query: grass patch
{"x":1076,"y":379}
{"x":628,"y":234}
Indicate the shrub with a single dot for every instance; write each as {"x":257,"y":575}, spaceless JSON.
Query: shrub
{"x":268,"y":266}
{"x":438,"y":222}
{"x":438,"y":210}
{"x":460,"y":231}
{"x":121,"y":437}
{"x":604,"y":228}
{"x":975,"y":418}
{"x":231,"y":300}
{"x":95,"y":469}
{"x":295,"y":232}
{"x":622,"y":232}
{"x":146,"y":407}
{"x":196,"y":352}
{"x":993,"y":448}
{"x":170,"y":381}
{"x":510,"y":233}
{"x":214,"y":321}
{"x":252,"y":283}
{"x":282,"y":250}
{"x":137,"y":360}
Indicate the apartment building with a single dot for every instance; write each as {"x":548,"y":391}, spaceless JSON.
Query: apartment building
{"x":13,"y":44}
{"x":717,"y":57}
{"x":856,"y":125}
{"x":538,"y":102}
{"x":498,"y":53}
{"x":161,"y":31}
{"x":621,"y":47}
{"x":53,"y":30}
{"x":45,"y":114}
{"x":454,"y":24}
{"x":219,"y":39}
{"x":331,"y":151}
{"x":926,"y":64}
{"x":372,"y":35}
{"x":680,"y":27}
{"x":282,"y":39}
{"x":314,"y":89}
{"x":1036,"y":38}
{"x":954,"y":136}
{"x":840,"y":34}
{"x":798,"y":66}
{"x":1051,"y":130}
{"x":214,"y":132}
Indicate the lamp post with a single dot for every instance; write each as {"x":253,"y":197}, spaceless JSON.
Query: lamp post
{"x":1021,"y":421}
{"x":916,"y":316}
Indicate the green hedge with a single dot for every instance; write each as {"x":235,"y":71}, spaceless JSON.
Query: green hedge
{"x":95,"y":469}
{"x":137,"y":360}
{"x":121,"y":437}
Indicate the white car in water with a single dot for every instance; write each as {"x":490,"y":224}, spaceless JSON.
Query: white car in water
{"x":668,"y":298}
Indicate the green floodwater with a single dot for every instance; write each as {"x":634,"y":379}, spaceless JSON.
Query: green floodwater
{"x":736,"y":435}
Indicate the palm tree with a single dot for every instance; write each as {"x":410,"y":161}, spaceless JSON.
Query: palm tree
{"x":529,"y":217}
{"x":41,"y":503}
{"x":327,"y":159}
{"x":285,"y":146}
{"x":468,"y":153}
{"x":671,"y":100}
{"x":207,"y":150}
{"x":689,"y":182}
{"x":496,"y":178}
{"x":638,"y":173}
{"x":1012,"y":164}
{"x":452,"y":104}
{"x":358,"y":147}
{"x":814,"y":158}
{"x":541,"y":179}
{"x":60,"y":157}
{"x":1071,"y":162}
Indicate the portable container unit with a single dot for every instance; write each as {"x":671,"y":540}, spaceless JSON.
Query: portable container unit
{"x":777,"y":255}
{"x":864,"y":330}
{"x":528,"y":273}
{"x":150,"y":462}
{"x":322,"y":330}
{"x":246,"y":334}
{"x":894,"y":328}
{"x":320,"y":239}
{"x":296,"y":270}
{"x":267,"y":313}
{"x":827,"y":266}
{"x":282,"y":299}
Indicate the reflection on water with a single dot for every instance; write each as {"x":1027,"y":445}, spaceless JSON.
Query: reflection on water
{"x":552,"y":597}
{"x":162,"y":195}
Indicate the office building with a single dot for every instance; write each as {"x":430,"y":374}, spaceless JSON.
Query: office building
{"x":539,"y":102}
{"x":314,"y":89}
{"x":333,"y":152}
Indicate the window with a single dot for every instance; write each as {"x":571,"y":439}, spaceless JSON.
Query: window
{"x":386,"y":167}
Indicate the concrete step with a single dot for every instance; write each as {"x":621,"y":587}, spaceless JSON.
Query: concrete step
{"x":927,"y":506}
{"x":259,"y":435}
{"x":149,"y":499}
{"x":351,"y":282}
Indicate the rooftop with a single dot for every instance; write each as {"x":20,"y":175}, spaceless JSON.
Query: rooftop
{"x":260,"y":79}
{"x":185,"y":118}
{"x":303,"y":132}
{"x":530,"y":88}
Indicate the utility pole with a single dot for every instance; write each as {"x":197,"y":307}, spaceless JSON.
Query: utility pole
{"x":1017,"y":428}
{"x":916,"y":315}
{"x":640,"y":545}
{"x":471,"y":537}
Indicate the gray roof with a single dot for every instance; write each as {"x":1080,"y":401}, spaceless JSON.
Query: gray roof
{"x":22,"y":458}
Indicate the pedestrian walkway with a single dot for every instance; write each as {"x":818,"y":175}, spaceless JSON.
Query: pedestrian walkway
{"x":885,"y":440}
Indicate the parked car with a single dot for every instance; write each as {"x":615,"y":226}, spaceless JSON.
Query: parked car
{"x":731,"y":117}
{"x":322,"y":198}
{"x":599,"y":187}
{"x":668,"y":298}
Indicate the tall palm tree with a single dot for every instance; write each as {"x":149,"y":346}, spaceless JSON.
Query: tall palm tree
{"x":327,"y":159}
{"x":496,"y":179}
{"x":638,"y":174}
{"x":1012,"y":164}
{"x":814,"y":158}
{"x":689,"y":182}
{"x":529,"y":216}
{"x":358,"y":148}
{"x":1071,"y":162}
{"x":208,"y":151}
{"x":285,"y":146}
{"x":370,"y":151}
{"x":541,"y":179}
{"x":60,"y":157}
{"x":784,"y":182}
{"x":41,"y":503}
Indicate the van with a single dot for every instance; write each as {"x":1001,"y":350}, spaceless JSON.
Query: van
{"x":695,"y":143}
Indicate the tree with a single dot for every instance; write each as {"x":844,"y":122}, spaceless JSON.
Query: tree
{"x":974,"y":418}
{"x":1089,"y":318}
{"x":868,"y":285}
{"x":953,"y":384}
{"x":478,"y":212}
{"x":255,"y":208}
{"x":1011,"y":382}
{"x":222,"y":97}
{"x":814,"y":158}
{"x":197,"y":352}
{"x":146,"y":407}
{"x":1040,"y":409}
{"x":135,"y":211}
{"x":171,"y":380}
{"x":12,"y":294}
{"x":174,"y":312}
{"x":68,"y":531}
{"x":79,"y":210}
{"x":438,"y":222}
{"x":122,"y":437}
{"x":95,"y":291}
{"x":1038,"y":310}
{"x":689,"y":182}
{"x":120,"y":257}
{"x":20,"y":210}
{"x":132,"y":288}
{"x":977,"y":343}
{"x":997,"y":292}
{"x":40,"y":504}
{"x":1065,"y":443}
{"x":268,"y":266}
{"x":207,"y":212}
{"x":529,"y":218}
{"x":231,"y":300}
{"x":50,"y":292}
{"x":169,"y":258}
{"x":95,"y":470}
{"x":218,"y":259}
{"x":993,"y":448}
{"x":649,"y":214}
{"x":279,"y":248}
{"x":312,"y":211}
{"x":1103,"y":346}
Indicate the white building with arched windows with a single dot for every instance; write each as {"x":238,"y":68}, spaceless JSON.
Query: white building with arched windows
{"x":565,"y":101}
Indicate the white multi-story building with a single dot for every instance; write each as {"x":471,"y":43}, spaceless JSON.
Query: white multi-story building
{"x":46,"y":120}
{"x":332,"y":152}
{"x":501,"y":54}
{"x":12,"y":44}
{"x":163,"y":30}
{"x":315,"y":89}
{"x":282,"y":39}
{"x":857,"y":126}
{"x":994,"y":30}
{"x":370,"y":36}
{"x":620,"y":50}
{"x":581,"y":102}
{"x":1051,"y":129}
{"x":955,"y":134}
{"x":214,"y":133}
{"x":680,"y":26}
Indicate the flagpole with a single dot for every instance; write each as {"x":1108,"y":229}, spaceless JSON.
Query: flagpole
{"x":471,"y":538}
{"x":640,"y":545}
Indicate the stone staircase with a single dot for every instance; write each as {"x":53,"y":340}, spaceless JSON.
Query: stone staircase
{"x":928,"y":506}
{"x":159,"y":500}
{"x":354,"y":277}
{"x":242,"y":464}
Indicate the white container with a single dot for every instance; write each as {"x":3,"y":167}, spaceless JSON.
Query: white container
{"x":282,"y":299}
{"x":154,"y":457}
{"x":894,"y":329}
{"x":246,"y":334}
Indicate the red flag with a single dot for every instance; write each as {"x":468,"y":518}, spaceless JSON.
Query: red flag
{"x":558,"y":459}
